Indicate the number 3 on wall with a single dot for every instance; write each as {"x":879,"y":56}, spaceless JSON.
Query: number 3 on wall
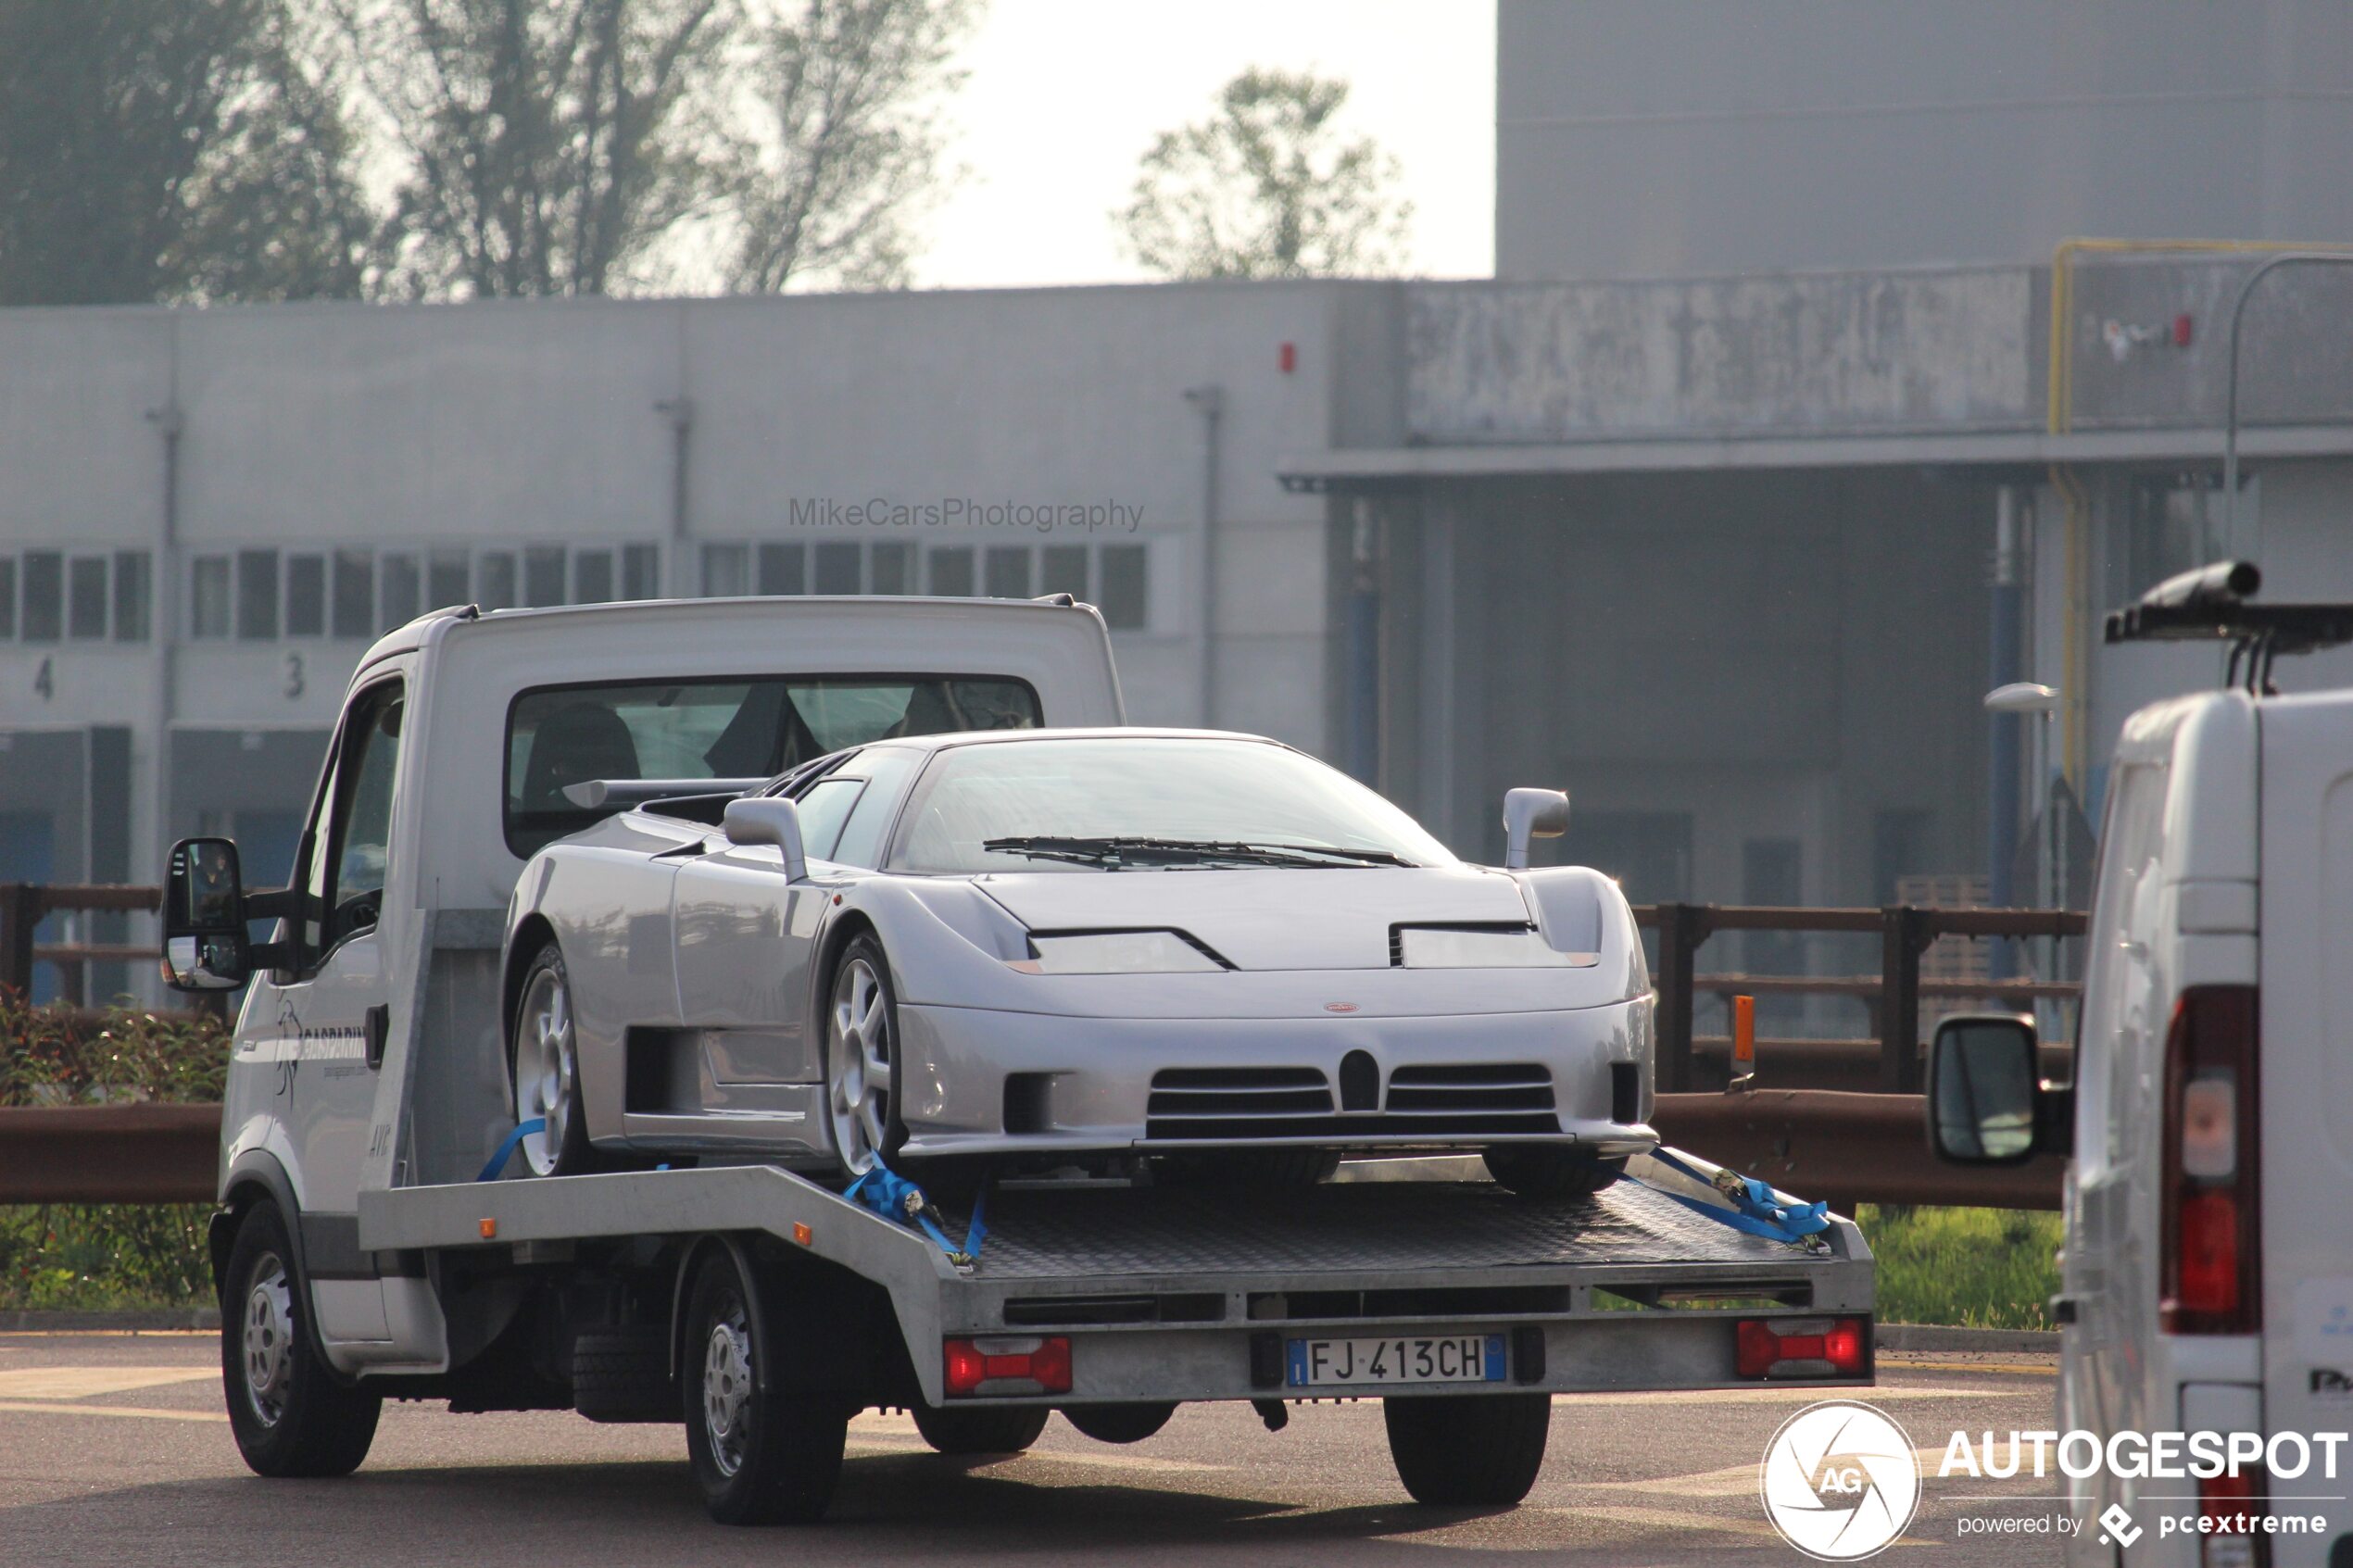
{"x":292,"y":688}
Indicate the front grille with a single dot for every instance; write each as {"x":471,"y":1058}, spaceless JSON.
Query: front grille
{"x":1271,"y":1104}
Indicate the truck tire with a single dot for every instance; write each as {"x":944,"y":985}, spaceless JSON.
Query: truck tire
{"x":542,"y":1078}
{"x":1004,"y":1429}
{"x":1119,"y":1424}
{"x":1550,"y":1172}
{"x":290,"y":1415}
{"x":1466,"y":1450}
{"x":762,"y":1454}
{"x":623,"y":1374}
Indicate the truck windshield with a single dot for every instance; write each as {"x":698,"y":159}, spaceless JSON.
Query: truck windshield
{"x":735,"y":728}
{"x":1148,"y":803}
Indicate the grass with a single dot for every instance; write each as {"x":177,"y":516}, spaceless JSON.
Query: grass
{"x":90,"y":1257}
{"x":1974,"y":1268}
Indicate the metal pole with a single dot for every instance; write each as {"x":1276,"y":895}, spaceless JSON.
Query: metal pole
{"x":1209,"y":403}
{"x":1364,"y":648}
{"x":2231,"y":407}
{"x":2002,"y":747}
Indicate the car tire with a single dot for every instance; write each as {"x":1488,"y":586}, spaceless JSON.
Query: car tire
{"x":289,"y":1412}
{"x":1002,"y":1429}
{"x":763,"y":1453}
{"x":1551,"y":1172}
{"x":542,"y":1072}
{"x":862,"y":1060}
{"x":1119,"y":1424}
{"x":1469,"y":1451}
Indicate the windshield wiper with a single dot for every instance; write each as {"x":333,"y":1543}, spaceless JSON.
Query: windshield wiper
{"x":1111,"y":851}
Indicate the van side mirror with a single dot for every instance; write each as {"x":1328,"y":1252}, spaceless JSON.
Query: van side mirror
{"x":204,"y":918}
{"x":1530,"y":814}
{"x":1985,"y":1098}
{"x":766,"y":820}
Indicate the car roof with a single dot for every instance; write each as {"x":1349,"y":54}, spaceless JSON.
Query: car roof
{"x":948,"y":739}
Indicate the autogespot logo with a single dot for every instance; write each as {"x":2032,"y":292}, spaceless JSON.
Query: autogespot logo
{"x":1839,"y":1481}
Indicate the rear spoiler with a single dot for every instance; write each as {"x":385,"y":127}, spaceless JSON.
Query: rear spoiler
{"x":622,"y":794}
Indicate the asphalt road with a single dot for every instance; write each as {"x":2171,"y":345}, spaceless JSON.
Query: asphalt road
{"x":113,"y":1450}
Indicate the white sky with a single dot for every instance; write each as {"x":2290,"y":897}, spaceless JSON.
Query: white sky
{"x":1064,"y":96}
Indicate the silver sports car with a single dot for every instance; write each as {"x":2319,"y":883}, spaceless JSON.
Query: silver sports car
{"x":1130,"y":950}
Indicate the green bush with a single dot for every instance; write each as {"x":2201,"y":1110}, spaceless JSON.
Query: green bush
{"x":1975,"y":1268}
{"x":97,"y":1256}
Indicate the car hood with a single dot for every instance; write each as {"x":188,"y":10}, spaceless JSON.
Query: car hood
{"x":1270,"y":919}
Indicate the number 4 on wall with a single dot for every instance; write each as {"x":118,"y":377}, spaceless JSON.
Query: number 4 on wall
{"x":44,"y":684}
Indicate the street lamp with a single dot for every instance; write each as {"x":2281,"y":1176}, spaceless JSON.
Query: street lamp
{"x":2031,"y":696}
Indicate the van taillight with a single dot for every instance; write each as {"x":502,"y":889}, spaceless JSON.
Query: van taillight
{"x":2211,"y":1282}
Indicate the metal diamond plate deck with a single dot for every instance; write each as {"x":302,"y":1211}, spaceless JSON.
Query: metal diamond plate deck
{"x":1347,"y":1228}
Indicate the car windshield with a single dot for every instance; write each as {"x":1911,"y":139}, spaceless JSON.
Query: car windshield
{"x":1147,"y":802}
{"x":704,"y":729}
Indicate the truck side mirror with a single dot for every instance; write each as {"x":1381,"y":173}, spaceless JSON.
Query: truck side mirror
{"x":1530,"y":814}
{"x":204,"y":918}
{"x":1984,"y":1089}
{"x":766,"y":820}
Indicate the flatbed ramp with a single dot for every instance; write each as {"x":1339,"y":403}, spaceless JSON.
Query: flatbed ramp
{"x":1185,"y":1293}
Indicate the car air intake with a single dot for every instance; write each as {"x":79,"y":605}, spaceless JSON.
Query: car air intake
{"x":1241,"y":1093}
{"x":1267,"y":1103}
{"x":1505,"y":1086}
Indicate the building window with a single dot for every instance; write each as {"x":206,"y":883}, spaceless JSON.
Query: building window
{"x":7,"y":596}
{"x":355,"y":603}
{"x":208,"y":596}
{"x":132,"y":595}
{"x":1008,"y":571}
{"x":834,"y":568}
{"x":640,"y":572}
{"x":592,"y":577}
{"x":397,"y":582}
{"x":892,"y":570}
{"x":257,"y":596}
{"x":543,"y":575}
{"x":1062,"y":568}
{"x":306,"y":596}
{"x":783,"y":569}
{"x":45,"y":589}
{"x":951,"y":572}
{"x":446,"y":579}
{"x":86,"y":598}
{"x":496,"y":580}
{"x":724,"y":570}
{"x":1121,"y":594}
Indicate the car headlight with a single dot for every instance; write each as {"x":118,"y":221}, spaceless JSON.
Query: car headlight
{"x":1482,"y":947}
{"x":1118,"y":952}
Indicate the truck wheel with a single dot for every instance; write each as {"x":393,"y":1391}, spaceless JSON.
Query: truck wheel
{"x":762,"y":1455}
{"x":1118,"y":1423}
{"x":862,"y":1060}
{"x":291,"y":1417}
{"x":1468,"y":1449}
{"x":546,"y":1070}
{"x":1004,"y":1429}
{"x":1550,"y":1172}
{"x":623,"y":1374}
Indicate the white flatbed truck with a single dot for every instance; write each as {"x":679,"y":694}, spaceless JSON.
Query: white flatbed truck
{"x":367,"y":1248}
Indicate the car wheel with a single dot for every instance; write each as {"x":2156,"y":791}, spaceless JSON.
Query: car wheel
{"x":1001,"y":1429}
{"x":1119,"y":1424}
{"x":763,"y":1453}
{"x":289,"y":1414}
{"x":1469,"y":1451}
{"x":545,"y":1071}
{"x":862,"y":1060}
{"x":1551,"y":1172}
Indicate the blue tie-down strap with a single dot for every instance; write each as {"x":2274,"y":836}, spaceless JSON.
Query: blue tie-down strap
{"x":894,"y":1197}
{"x":1727,"y":1196}
{"x":497,"y":1165}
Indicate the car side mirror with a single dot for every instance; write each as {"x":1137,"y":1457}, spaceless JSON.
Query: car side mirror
{"x":204,"y":918}
{"x":1530,"y":814}
{"x":766,"y":820}
{"x":1985,"y":1098}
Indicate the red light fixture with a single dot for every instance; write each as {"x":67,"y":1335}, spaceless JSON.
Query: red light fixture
{"x":1287,"y":357}
{"x":1006,"y":1364}
{"x":2211,"y":1284}
{"x":1796,"y":1348}
{"x":2184,"y":330}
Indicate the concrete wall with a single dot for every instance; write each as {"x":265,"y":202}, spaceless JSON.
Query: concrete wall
{"x":1707,"y":136}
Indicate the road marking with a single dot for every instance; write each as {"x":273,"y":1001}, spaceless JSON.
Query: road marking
{"x":36,"y":1407}
{"x":81,"y":1382}
{"x":1796,"y":1393}
{"x":1671,"y":1519}
{"x":1733,"y":1480}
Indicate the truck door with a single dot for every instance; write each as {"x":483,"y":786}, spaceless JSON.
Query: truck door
{"x":330,"y":1015}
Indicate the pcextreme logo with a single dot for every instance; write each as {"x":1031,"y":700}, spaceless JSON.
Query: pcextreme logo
{"x":1839,"y":1481}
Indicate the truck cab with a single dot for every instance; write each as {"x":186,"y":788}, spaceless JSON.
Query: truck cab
{"x":2207,"y":1270}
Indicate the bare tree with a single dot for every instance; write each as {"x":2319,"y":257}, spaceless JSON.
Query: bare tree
{"x":170,"y":149}
{"x":847,"y":144}
{"x":1266,"y":188}
{"x":548,"y":145}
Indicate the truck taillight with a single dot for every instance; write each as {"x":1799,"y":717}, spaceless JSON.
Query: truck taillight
{"x":2211,"y":1281}
{"x":1007,"y":1364}
{"x":2231,"y":1536}
{"x":1799,"y":1347}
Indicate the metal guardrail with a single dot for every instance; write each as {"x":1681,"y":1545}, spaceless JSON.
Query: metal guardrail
{"x":1849,"y":1149}
{"x":1905,"y":933}
{"x":23,"y":905}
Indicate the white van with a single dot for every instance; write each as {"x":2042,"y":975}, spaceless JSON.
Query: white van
{"x":2208,"y":1272}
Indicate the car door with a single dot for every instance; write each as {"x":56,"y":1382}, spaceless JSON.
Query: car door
{"x":329,"y":1015}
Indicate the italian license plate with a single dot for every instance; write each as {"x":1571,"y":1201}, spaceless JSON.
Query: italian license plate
{"x":1411,"y":1358}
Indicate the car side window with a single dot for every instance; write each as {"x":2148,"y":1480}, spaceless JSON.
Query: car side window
{"x":351,"y":844}
{"x":825,"y":808}
{"x":886,"y":767}
{"x":2122,"y":1025}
